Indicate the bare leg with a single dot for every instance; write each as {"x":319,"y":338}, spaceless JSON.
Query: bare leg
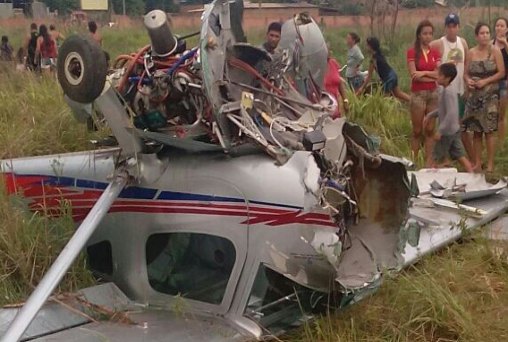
{"x":489,"y":137}
{"x":466,"y":164}
{"x":400,"y":94}
{"x":417,"y":115}
{"x":478,"y":146}
{"x":429,"y":145}
{"x":467,"y":141}
{"x":428,"y":131}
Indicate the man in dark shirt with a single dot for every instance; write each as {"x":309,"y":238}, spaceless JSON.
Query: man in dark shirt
{"x":272,"y":38}
{"x":30,"y":47}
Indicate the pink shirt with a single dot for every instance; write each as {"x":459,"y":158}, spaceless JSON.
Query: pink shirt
{"x":332,"y":81}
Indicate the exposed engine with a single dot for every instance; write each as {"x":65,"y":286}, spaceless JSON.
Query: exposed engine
{"x":226,"y":90}
{"x":161,"y":82}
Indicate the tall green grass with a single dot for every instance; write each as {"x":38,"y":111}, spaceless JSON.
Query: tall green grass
{"x":459,"y":294}
{"x":34,"y":118}
{"x":29,"y":243}
{"x":385,"y":117}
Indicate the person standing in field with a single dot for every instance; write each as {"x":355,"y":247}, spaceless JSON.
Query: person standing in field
{"x":483,"y":70}
{"x":387,"y":75}
{"x":46,"y":50}
{"x":448,"y":141}
{"x":94,"y":33}
{"x":6,"y":50}
{"x":57,"y":36}
{"x":30,"y":47}
{"x":423,"y":62}
{"x":334,"y":84}
{"x":454,"y":49}
{"x":501,"y":30}
{"x":354,"y":61}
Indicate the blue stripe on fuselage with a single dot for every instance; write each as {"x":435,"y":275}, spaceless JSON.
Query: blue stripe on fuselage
{"x":135,"y":192}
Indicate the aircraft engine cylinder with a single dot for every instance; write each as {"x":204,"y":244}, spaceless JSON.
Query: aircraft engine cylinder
{"x":163,"y":41}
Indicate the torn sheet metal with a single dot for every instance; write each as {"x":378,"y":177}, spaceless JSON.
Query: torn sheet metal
{"x":71,"y":310}
{"x":497,"y":230}
{"x":450,"y":184}
{"x":442,"y":224}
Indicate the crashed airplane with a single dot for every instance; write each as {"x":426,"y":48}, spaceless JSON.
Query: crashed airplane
{"x":234,"y":206}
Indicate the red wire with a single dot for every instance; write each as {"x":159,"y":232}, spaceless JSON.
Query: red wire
{"x":247,"y":68}
{"x":130,"y":67}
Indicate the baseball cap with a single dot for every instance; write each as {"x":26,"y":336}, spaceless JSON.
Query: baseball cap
{"x":452,"y":18}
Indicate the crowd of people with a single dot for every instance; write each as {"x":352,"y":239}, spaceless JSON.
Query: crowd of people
{"x":464,"y":88}
{"x":39,"y":50}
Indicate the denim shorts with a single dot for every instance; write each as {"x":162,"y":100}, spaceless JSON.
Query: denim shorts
{"x":391,"y":82}
{"x":47,"y":63}
{"x":355,"y":82}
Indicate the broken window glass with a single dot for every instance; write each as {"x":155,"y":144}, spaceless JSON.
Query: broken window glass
{"x":100,"y":257}
{"x":278,"y":303}
{"x":192,"y":265}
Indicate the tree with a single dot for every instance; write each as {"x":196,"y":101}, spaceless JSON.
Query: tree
{"x":132,"y":7}
{"x":62,"y":6}
{"x":165,"y":5}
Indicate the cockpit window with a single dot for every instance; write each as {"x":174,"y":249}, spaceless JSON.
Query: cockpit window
{"x":195,"y":266}
{"x":278,"y":303}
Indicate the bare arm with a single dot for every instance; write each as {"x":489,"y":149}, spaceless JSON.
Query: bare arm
{"x":466,"y":48}
{"x":467,"y":78}
{"x":437,"y":45}
{"x":342,"y":89}
{"x":500,"y":74}
{"x":367,"y":79}
{"x":421,"y":76}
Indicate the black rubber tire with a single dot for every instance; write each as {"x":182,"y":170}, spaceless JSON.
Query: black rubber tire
{"x":81,"y":69}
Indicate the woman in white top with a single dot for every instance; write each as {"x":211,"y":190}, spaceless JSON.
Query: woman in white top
{"x":354,"y":61}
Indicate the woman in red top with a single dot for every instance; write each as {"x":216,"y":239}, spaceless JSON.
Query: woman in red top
{"x":423,"y":61}
{"x":46,"y":49}
{"x":334,"y":84}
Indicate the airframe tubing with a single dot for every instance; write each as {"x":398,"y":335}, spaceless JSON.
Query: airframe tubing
{"x":52,"y":278}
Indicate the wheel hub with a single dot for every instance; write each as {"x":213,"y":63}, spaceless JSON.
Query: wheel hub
{"x":74,"y":68}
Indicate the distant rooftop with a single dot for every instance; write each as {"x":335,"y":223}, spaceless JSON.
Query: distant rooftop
{"x":249,"y":4}
{"x":253,"y":5}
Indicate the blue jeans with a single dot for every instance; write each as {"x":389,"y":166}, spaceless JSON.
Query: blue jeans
{"x":355,"y":82}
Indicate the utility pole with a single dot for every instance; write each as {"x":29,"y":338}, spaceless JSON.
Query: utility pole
{"x":123,"y":6}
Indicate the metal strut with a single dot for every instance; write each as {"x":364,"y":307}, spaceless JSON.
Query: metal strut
{"x":55,"y":274}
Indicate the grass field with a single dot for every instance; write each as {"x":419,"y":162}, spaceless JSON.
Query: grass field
{"x":460,"y":294}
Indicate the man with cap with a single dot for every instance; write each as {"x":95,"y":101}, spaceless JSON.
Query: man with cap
{"x":272,"y":38}
{"x":454,"y":50}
